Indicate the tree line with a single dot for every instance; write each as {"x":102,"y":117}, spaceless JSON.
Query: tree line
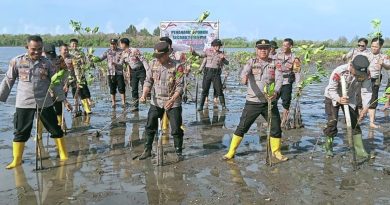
{"x":144,"y":39}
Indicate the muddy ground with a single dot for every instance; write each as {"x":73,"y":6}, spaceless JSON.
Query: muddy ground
{"x":102,"y":170}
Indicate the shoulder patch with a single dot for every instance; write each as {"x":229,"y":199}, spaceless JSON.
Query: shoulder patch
{"x":336,"y":77}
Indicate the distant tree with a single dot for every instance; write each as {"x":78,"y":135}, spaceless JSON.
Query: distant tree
{"x":131,"y":30}
{"x":156,"y":31}
{"x":144,"y":32}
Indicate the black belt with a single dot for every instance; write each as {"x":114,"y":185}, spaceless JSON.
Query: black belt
{"x":213,"y":70}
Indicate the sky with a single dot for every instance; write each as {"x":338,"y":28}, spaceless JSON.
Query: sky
{"x":252,"y":19}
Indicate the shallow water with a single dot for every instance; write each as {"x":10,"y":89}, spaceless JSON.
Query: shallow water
{"x":102,"y":170}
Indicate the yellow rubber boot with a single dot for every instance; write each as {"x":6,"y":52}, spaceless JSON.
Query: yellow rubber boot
{"x":276,"y":145}
{"x":165,"y":123}
{"x":61,"y":146}
{"x":59,"y":120}
{"x":17,"y":151}
{"x":236,"y":140}
{"x":86,"y":107}
{"x":40,"y":129}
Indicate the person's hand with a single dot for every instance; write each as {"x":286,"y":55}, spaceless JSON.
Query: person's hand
{"x":344,"y":101}
{"x":65,"y":88}
{"x":168,"y":105}
{"x":244,"y":80}
{"x":68,"y":106}
{"x":272,"y":97}
{"x":362,"y":114}
{"x":221,"y":56}
{"x":142,"y":99}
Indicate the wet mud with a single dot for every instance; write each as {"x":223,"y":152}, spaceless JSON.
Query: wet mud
{"x":104,"y":169}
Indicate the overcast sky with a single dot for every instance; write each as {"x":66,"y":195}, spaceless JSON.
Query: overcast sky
{"x":298,"y":19}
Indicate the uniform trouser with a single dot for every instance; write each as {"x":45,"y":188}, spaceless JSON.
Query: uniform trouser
{"x":137,"y":76}
{"x":332,"y":113}
{"x":24,"y":119}
{"x":58,"y":108}
{"x":83,"y":91}
{"x":116,"y":81}
{"x":251,"y":111}
{"x":285,"y":94}
{"x":212,"y":75}
{"x":375,"y":84}
{"x":175,"y":120}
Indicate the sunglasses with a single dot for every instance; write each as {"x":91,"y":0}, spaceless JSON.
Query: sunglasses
{"x":359,"y":45}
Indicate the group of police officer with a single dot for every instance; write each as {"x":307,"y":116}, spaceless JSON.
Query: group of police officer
{"x":163,"y":80}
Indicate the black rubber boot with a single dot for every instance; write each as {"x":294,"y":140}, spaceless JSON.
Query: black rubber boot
{"x":148,"y":148}
{"x":178,"y":144}
{"x":222,"y":101}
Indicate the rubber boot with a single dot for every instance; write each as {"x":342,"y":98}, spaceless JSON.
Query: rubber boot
{"x":86,"y":107}
{"x":17,"y":152}
{"x":329,"y":146}
{"x":61,"y":146}
{"x":148,"y":148}
{"x":165,"y":123}
{"x":276,"y":145}
{"x":359,"y":147}
{"x":178,"y":144}
{"x":202,"y":99}
{"x":222,"y":101}
{"x":236,"y":140}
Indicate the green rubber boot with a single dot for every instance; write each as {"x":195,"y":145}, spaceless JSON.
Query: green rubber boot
{"x":359,"y":147}
{"x":329,"y":146}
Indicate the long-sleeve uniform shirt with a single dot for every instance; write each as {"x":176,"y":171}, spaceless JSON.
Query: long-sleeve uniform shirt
{"x":132,"y":58}
{"x":354,"y":52}
{"x":285,"y":63}
{"x":164,"y":81}
{"x":374,"y":68}
{"x":333,"y":90}
{"x":212,"y":59}
{"x":34,"y":79}
{"x":261,"y":73}
{"x":113,"y":59}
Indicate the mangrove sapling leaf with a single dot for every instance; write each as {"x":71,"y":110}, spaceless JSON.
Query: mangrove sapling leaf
{"x":203,"y":16}
{"x":95,"y":30}
{"x":87,"y":29}
{"x":57,"y":77}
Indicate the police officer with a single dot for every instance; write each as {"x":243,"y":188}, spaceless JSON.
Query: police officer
{"x":164,"y":79}
{"x":34,"y":74}
{"x":134,"y":67}
{"x":80,"y":87}
{"x":355,"y":74}
{"x":213,"y":65}
{"x":289,"y":64}
{"x":360,"y":50}
{"x":377,"y":62}
{"x":115,"y":72}
{"x":258,"y":73}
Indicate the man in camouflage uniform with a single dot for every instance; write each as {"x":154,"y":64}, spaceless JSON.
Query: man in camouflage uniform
{"x":115,"y":72}
{"x":164,"y":79}
{"x":288,"y":63}
{"x":34,"y":74}
{"x":213,"y":63}
{"x":134,"y":66}
{"x":80,"y":87}
{"x":258,"y":73}
{"x":377,"y":62}
{"x":356,"y":77}
{"x":360,"y":50}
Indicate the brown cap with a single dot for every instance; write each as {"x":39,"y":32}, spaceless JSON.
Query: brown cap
{"x":161,"y":48}
{"x":263,"y":43}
